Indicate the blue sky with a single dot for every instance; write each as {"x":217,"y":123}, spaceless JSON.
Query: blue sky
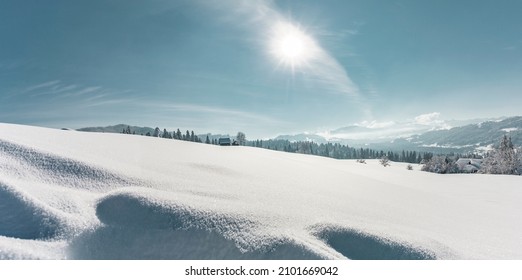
{"x":226,"y":66}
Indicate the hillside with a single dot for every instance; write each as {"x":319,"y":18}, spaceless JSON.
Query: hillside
{"x":141,"y":130}
{"x":118,"y":129}
{"x":74,"y":195}
{"x":472,"y":136}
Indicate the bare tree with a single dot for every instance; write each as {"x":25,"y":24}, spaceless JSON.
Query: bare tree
{"x":384,"y":161}
{"x":241,"y":138}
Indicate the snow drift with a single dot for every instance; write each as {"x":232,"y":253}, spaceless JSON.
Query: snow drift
{"x":78,"y":195}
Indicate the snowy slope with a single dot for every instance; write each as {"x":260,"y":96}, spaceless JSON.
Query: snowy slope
{"x":470,"y":137}
{"x":77,"y":195}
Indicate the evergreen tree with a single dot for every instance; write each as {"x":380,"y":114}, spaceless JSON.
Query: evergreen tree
{"x":419,"y":158}
{"x":327,"y":150}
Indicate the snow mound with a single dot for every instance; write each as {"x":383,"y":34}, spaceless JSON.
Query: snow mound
{"x":55,"y":169}
{"x":22,"y":217}
{"x":76,"y":195}
{"x":24,"y":249}
{"x":357,"y":245}
{"x":138,"y":226}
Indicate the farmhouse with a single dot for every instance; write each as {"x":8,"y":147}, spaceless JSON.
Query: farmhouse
{"x":469,"y":165}
{"x":224,"y":141}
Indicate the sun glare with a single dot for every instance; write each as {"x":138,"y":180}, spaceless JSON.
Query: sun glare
{"x":291,"y":46}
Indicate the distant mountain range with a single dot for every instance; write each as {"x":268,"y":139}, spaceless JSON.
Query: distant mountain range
{"x":118,"y":129}
{"x":475,"y":137}
{"x":372,"y":133}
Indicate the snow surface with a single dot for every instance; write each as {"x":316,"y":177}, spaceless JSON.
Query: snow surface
{"x":81,"y":195}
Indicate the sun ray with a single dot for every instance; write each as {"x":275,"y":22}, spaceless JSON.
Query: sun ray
{"x":291,"y":46}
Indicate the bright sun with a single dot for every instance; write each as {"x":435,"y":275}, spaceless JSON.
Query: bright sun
{"x":291,"y":46}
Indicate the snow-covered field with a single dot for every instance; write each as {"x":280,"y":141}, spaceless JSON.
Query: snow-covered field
{"x":78,"y":195}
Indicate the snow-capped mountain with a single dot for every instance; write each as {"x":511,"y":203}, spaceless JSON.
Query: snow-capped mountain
{"x":471,"y":137}
{"x":465,"y":137}
{"x":302,"y":137}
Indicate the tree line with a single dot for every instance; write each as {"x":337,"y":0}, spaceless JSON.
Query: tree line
{"x":505,"y":159}
{"x":187,"y":136}
{"x":332,"y":150}
{"x":340,"y":151}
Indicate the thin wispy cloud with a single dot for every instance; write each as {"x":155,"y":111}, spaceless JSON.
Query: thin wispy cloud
{"x":32,"y":90}
{"x":98,"y":101}
{"x":82,"y":91}
{"x":68,"y":91}
{"x":61,"y":90}
{"x":73,"y":95}
{"x":218,"y":112}
{"x":41,"y":86}
{"x":56,"y":89}
{"x":200,"y":118}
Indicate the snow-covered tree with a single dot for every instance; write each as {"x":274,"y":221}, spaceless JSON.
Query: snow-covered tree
{"x":241,"y":138}
{"x":156,"y":132}
{"x":504,"y":160}
{"x":441,"y":165}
